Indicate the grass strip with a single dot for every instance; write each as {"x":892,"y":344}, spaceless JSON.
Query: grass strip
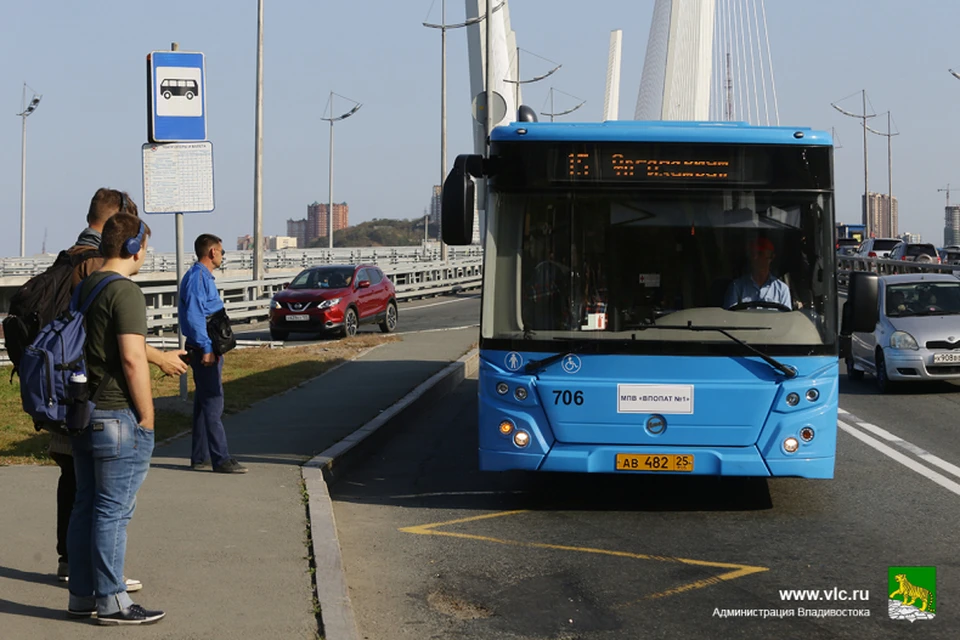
{"x":249,"y":375}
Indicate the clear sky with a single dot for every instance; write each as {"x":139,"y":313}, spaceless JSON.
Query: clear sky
{"x":88,"y":60}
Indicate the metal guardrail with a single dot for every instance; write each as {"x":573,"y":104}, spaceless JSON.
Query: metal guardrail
{"x":847,"y":264}
{"x":272,"y":260}
{"x":249,"y":300}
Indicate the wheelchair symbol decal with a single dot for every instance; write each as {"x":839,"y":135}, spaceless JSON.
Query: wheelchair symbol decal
{"x":571,"y":363}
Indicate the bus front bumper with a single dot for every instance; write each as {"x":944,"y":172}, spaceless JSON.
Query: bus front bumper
{"x":713,"y":461}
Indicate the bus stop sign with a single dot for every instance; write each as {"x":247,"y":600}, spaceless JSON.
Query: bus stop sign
{"x":176,"y":97}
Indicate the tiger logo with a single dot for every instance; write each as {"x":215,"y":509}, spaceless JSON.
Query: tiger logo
{"x":911,"y":593}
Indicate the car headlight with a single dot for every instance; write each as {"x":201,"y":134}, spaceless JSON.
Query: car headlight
{"x":903,"y":340}
{"x":276,"y":304}
{"x":326,"y":304}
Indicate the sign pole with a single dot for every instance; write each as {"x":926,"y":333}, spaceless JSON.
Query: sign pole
{"x":178,"y":158}
{"x":179,"y":240}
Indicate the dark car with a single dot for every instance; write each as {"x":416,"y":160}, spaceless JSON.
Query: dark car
{"x":847,"y":246}
{"x":334,"y":299}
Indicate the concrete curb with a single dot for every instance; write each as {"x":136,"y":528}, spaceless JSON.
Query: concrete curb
{"x":331,"y":586}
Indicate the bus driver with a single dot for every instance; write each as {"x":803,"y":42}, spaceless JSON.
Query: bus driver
{"x":760,"y":284}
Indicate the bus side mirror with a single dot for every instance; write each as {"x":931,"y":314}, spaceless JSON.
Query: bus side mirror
{"x":458,"y":198}
{"x":863,"y":298}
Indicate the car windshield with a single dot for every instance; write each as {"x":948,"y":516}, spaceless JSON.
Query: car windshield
{"x":922,"y":299}
{"x":323,"y":278}
{"x":606,"y":266}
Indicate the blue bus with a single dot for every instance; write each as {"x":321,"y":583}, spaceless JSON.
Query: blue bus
{"x":658,"y":297}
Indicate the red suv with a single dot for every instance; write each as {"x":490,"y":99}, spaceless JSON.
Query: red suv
{"x":336,"y":298}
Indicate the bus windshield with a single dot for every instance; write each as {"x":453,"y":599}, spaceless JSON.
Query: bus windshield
{"x":582,"y":265}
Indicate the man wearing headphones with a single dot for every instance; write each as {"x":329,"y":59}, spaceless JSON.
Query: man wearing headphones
{"x":112,"y":456}
{"x":104,"y":204}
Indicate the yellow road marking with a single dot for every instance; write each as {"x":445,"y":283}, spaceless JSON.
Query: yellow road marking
{"x":737,"y":570}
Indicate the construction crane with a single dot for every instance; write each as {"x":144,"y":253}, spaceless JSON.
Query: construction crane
{"x":43,"y":247}
{"x":947,"y":190}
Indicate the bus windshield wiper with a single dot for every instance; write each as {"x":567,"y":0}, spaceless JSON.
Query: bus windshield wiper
{"x":788,"y":372}
{"x":535,"y":365}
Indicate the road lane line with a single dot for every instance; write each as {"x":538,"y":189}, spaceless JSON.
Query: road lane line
{"x":906,"y":445}
{"x":909,"y":463}
{"x":736,"y":570}
{"x":437,"y":304}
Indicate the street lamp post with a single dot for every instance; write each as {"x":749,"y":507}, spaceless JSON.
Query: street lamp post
{"x":554,"y":114}
{"x":26,"y":110}
{"x":866,"y":175}
{"x":331,"y":120}
{"x":443,"y":26}
{"x":257,"y":160}
{"x":889,"y":136}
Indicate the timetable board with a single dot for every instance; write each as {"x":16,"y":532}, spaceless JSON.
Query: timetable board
{"x":178,"y":177}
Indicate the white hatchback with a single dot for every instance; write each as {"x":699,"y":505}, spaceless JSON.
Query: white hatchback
{"x":917,"y":336}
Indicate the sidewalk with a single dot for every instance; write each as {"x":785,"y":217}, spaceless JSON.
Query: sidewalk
{"x":224,"y":556}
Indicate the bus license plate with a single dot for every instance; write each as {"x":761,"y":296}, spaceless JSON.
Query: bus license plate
{"x":944,"y":358}
{"x":302,"y":317}
{"x":650,"y":462}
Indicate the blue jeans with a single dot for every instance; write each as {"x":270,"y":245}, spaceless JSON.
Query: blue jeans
{"x":111,"y":459}
{"x":209,"y":438}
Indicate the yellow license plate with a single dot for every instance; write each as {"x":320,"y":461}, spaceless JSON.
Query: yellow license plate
{"x":651,"y":462}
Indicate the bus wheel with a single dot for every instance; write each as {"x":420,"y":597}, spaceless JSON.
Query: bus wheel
{"x":189,"y":95}
{"x":166,"y":95}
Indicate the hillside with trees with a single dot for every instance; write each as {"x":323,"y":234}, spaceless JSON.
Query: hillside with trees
{"x":380,"y":232}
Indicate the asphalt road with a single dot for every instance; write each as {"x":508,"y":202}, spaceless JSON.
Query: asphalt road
{"x":435,"y":549}
{"x":430,"y":314}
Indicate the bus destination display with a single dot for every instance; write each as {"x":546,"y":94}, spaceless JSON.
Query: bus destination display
{"x":616,"y":166}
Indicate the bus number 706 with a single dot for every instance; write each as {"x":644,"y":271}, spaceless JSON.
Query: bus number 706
{"x":568,"y":397}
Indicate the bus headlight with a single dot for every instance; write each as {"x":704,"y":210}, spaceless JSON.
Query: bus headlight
{"x":793,"y":399}
{"x":903,"y":340}
{"x":503,"y":388}
{"x":506,"y":427}
{"x":790,"y":445}
{"x":813,"y":395}
{"x":806,"y":434}
{"x":521,"y":439}
{"x":520,"y":393}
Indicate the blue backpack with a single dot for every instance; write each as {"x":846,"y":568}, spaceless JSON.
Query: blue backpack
{"x":47,"y":364}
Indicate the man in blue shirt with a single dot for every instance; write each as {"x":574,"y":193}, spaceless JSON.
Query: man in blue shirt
{"x":760,"y":284}
{"x":200,"y":299}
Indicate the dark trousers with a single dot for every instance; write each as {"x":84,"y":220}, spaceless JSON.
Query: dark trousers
{"x":66,"y":492}
{"x":209,"y":438}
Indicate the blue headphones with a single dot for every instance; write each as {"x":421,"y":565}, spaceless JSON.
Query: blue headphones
{"x":132,"y":245}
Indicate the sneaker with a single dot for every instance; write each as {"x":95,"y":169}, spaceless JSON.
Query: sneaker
{"x":230,"y":466}
{"x":63,"y":572}
{"x":200,"y":466}
{"x":132,"y":585}
{"x":134,"y":614}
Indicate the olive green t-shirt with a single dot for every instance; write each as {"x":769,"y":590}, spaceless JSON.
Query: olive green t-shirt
{"x":119,"y":309}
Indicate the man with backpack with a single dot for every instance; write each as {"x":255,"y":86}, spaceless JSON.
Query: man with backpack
{"x":42,"y":299}
{"x":112,"y":455}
